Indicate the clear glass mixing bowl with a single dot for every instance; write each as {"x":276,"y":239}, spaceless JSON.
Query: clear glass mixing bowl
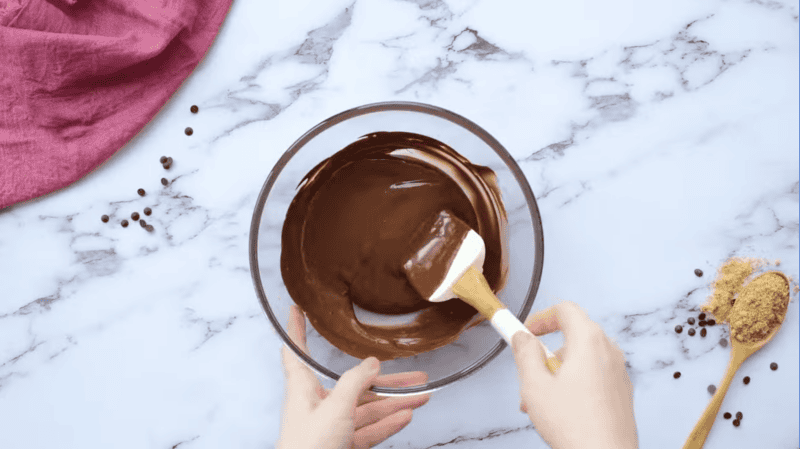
{"x":477,"y":345}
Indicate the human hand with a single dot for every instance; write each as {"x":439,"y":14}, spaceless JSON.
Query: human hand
{"x":347,"y":417}
{"x":588,"y":402}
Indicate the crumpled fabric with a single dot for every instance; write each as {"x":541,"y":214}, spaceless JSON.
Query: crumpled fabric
{"x":80,"y":78}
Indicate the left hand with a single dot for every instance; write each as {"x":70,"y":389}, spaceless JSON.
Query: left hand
{"x":347,"y":417}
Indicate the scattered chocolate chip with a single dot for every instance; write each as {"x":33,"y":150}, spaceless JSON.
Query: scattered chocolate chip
{"x":726,"y":415}
{"x":723,"y":342}
{"x":148,"y":211}
{"x":773,"y":366}
{"x":189,"y":131}
{"x":710,"y":322}
{"x":702,"y":323}
{"x":140,"y":192}
{"x":104,"y":218}
{"x":702,"y":316}
{"x":142,"y":223}
{"x":739,"y":415}
{"x":736,"y":422}
{"x":194,"y":109}
{"x":703,"y":332}
{"x":163,"y":159}
{"x":746,"y":380}
{"x":679,"y":328}
{"x":124,"y":223}
{"x":135,"y":216}
{"x":677,"y":374}
{"x":690,"y":321}
{"x":164,"y":181}
{"x":149,"y":228}
{"x":711,"y":389}
{"x":698,"y":272}
{"x":691,"y":332}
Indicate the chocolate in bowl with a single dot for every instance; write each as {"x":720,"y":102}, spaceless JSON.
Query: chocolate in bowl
{"x":479,"y":343}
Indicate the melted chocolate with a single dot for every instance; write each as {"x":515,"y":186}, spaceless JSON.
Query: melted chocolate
{"x":347,"y":234}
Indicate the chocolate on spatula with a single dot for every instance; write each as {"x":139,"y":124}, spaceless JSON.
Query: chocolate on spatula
{"x":444,"y":248}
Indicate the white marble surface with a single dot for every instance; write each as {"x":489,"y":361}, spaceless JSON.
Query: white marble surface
{"x":658,"y":137}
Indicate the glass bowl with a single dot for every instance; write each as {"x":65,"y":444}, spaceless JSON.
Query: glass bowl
{"x":477,"y":345}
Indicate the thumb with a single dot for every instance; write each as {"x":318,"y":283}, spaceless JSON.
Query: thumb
{"x":530,"y":359}
{"x":353,"y":383}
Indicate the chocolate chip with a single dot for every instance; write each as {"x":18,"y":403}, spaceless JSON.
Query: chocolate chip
{"x":194,"y":109}
{"x":691,"y":332}
{"x":149,"y":228}
{"x":690,"y":321}
{"x":140,"y":192}
{"x":104,"y":218}
{"x":164,"y":181}
{"x":711,"y":389}
{"x":702,"y":323}
{"x":710,"y":322}
{"x":746,"y":380}
{"x":135,"y":216}
{"x":773,"y":366}
{"x":677,"y":374}
{"x":726,"y":415}
{"x":148,"y":211}
{"x":679,"y":328}
{"x":702,"y":316}
{"x":163,"y":159}
{"x":739,"y":415}
{"x":142,"y":223}
{"x":189,"y":131}
{"x":124,"y":223}
{"x":698,"y":272}
{"x":703,"y":332}
{"x":167,"y":164}
{"x":723,"y":342}
{"x":736,"y":422}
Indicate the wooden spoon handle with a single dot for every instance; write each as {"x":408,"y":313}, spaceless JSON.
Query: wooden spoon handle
{"x":698,"y":436}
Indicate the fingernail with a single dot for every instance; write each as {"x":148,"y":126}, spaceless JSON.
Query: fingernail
{"x":520,"y":339}
{"x":372,"y":364}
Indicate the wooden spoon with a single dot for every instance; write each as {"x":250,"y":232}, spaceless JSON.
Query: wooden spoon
{"x":739,"y":353}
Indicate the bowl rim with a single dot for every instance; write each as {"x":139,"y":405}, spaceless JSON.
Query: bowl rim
{"x":394,"y":106}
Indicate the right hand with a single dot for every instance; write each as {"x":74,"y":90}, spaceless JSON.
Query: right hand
{"x":588,"y":402}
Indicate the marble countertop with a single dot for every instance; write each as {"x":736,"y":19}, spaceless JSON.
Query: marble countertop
{"x":658,"y":137}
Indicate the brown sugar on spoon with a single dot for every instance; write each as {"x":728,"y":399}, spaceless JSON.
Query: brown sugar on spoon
{"x":758,"y":309}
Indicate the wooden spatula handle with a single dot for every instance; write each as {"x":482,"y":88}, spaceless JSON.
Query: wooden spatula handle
{"x":698,"y":436}
{"x":473,"y":289}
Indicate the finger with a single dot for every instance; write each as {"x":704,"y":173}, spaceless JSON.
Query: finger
{"x":566,"y":316}
{"x":530,"y":359}
{"x":301,"y":384}
{"x":397,"y":380}
{"x":353,"y":383}
{"x":376,"y":411}
{"x":379,"y":432}
{"x":296,"y":327}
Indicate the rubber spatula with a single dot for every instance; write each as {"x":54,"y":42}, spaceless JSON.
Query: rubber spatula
{"x":446,"y":262}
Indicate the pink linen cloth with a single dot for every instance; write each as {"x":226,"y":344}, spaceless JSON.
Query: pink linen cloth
{"x":80,"y":78}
